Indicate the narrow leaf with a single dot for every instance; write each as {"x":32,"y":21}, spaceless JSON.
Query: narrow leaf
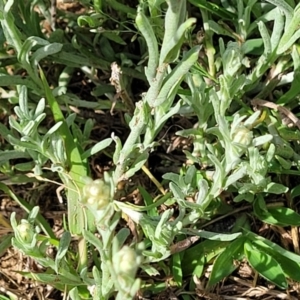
{"x":146,"y":29}
{"x":96,"y":148}
{"x":177,"y":75}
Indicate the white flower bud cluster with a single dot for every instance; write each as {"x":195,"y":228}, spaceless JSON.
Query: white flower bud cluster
{"x":97,"y":194}
{"x":126,"y":261}
{"x":242,"y":136}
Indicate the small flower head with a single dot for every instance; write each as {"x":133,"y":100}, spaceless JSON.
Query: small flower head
{"x":126,"y":261}
{"x":97,"y":194}
{"x":242,"y":136}
{"x":25,"y":231}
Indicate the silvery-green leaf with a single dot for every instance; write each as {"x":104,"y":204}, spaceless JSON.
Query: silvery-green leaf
{"x":45,"y":51}
{"x":176,"y":75}
{"x":97,"y":148}
{"x":29,"y":43}
{"x":40,"y":108}
{"x":276,"y":188}
{"x":203,"y":191}
{"x":262,"y":139}
{"x":147,"y":31}
{"x":266,"y":38}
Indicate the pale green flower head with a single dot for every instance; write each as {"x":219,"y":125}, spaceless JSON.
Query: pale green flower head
{"x":242,"y":136}
{"x":25,"y":231}
{"x":98,"y":193}
{"x":126,"y":261}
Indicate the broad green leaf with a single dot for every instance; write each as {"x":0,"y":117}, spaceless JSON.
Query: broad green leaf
{"x":125,"y":8}
{"x":12,"y":34}
{"x":235,"y":176}
{"x":295,"y":192}
{"x":107,"y":50}
{"x":261,"y":211}
{"x":286,"y":8}
{"x":254,"y":237}
{"x":71,"y":274}
{"x":285,"y":215}
{"x":241,"y":197}
{"x":276,"y":188}
{"x":53,"y":129}
{"x":62,"y":248}
{"x":265,"y":265}
{"x":176,"y":268}
{"x":203,"y":191}
{"x":218,"y":29}
{"x":33,"y":214}
{"x":195,"y":257}
{"x":23,"y":104}
{"x":14,"y":125}
{"x":74,"y":60}
{"x":20,"y":178}
{"x":225,"y":264}
{"x":289,"y":266}
{"x":190,"y":175}
{"x":199,"y":266}
{"x":39,"y":108}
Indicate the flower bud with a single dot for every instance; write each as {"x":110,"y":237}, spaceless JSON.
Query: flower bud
{"x":25,"y":231}
{"x":97,"y":194}
{"x":243,"y":136}
{"x":126,"y":261}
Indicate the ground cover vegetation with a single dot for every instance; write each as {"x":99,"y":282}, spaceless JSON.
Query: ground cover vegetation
{"x":149,"y":150}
